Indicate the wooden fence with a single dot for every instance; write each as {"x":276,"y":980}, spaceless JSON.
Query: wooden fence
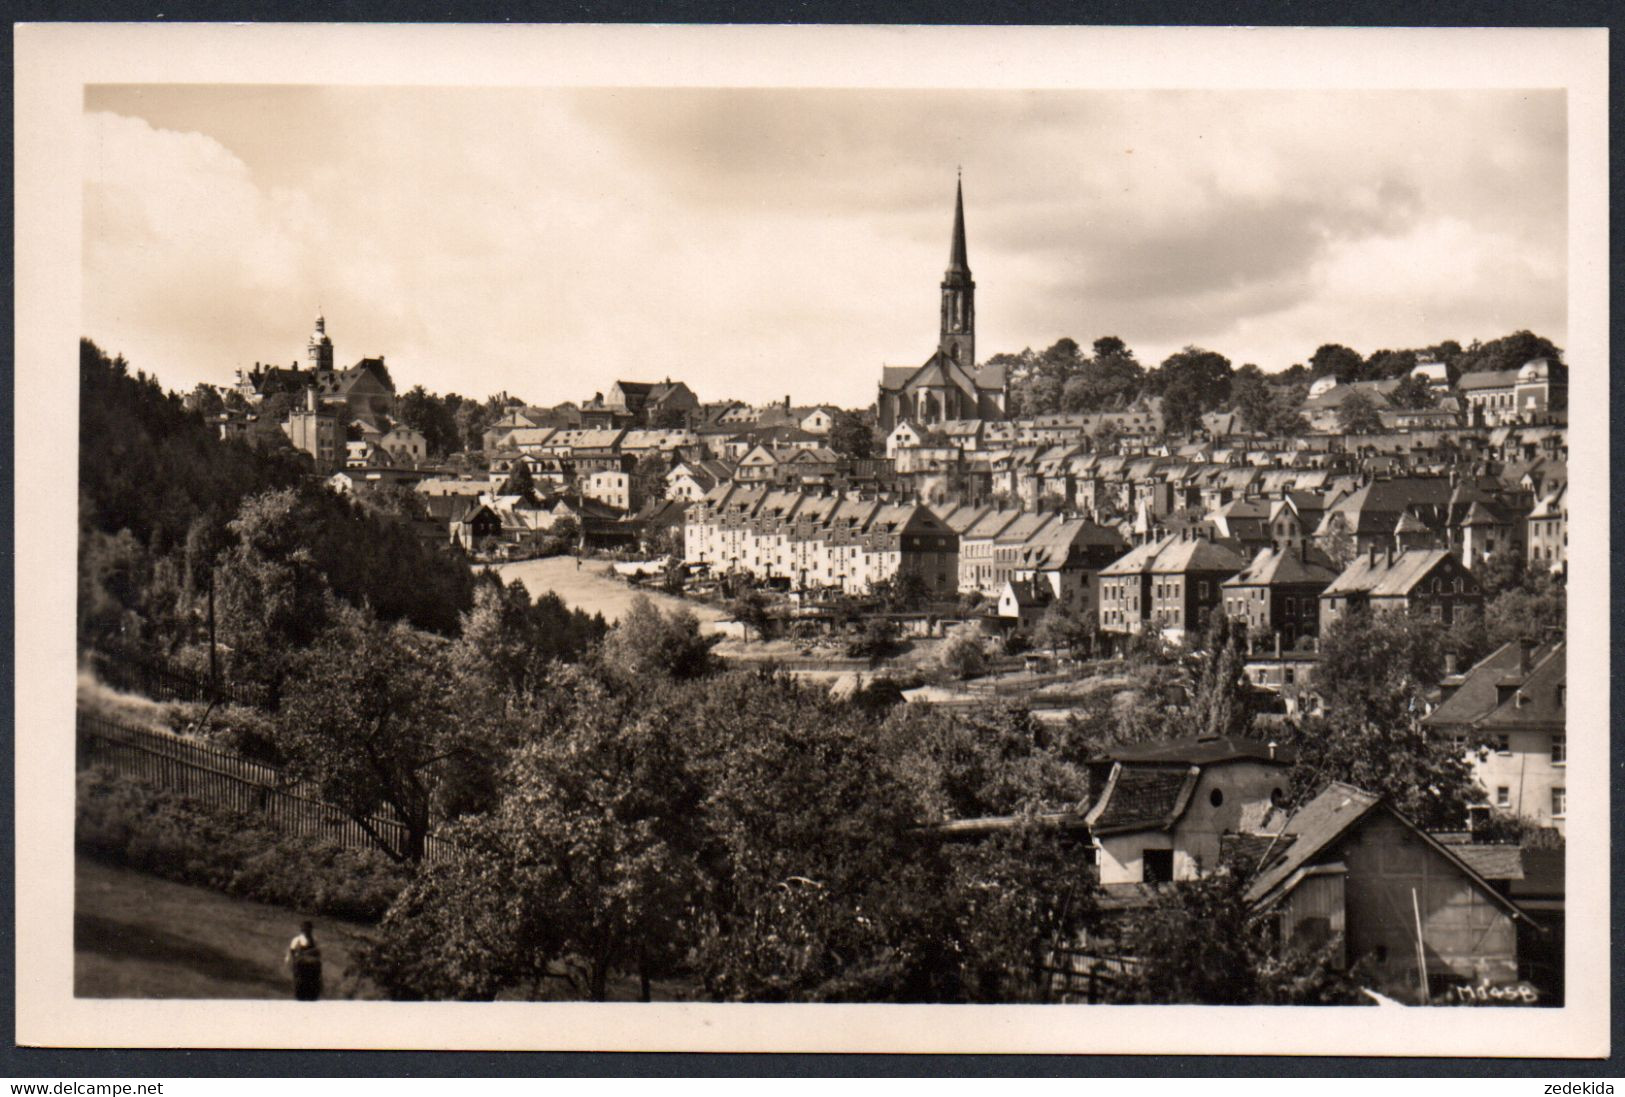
{"x":1075,"y":975}
{"x":225,"y":780}
{"x":163,"y":680}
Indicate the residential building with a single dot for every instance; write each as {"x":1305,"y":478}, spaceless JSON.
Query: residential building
{"x":1186,"y":579}
{"x":1415,"y":580}
{"x":1548,"y":531}
{"x":1279,"y":592}
{"x":1126,"y":591}
{"x":1509,"y":714}
{"x":404,"y":444}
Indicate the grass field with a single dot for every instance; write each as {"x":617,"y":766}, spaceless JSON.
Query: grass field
{"x":588,"y":589}
{"x":138,"y":936}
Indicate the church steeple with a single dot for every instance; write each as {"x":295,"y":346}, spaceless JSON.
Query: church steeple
{"x":958,"y":334}
{"x":319,"y":351}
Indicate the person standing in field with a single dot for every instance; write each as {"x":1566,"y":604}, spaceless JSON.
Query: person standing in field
{"x":305,"y":961}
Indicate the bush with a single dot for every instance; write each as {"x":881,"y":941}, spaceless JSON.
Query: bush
{"x":139,"y":825}
{"x":962,"y":656}
{"x":876,"y":640}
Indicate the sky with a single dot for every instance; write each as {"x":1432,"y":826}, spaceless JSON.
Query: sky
{"x":759,"y":243}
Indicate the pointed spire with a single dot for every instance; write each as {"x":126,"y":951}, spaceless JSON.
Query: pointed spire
{"x":957,"y":261}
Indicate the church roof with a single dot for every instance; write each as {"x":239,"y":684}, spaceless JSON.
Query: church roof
{"x":958,"y":263}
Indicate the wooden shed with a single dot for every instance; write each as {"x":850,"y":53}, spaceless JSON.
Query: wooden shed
{"x":1348,"y":863}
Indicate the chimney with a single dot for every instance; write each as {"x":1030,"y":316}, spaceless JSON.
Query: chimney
{"x":1450,"y":664}
{"x":1390,"y":556}
{"x":1526,"y":652}
{"x":1372,"y":552}
{"x":1277,"y":645}
{"x":1272,"y":746}
{"x":787,"y":403}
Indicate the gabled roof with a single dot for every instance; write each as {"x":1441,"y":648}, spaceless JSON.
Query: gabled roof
{"x":1533,"y":701}
{"x":963,"y":516}
{"x":991,"y":525}
{"x":1137,"y":559}
{"x":1197,"y":554}
{"x":1323,"y":822}
{"x":1385,"y":577}
{"x":1143,"y":796}
{"x":1027,"y":524}
{"x":1272,"y":567}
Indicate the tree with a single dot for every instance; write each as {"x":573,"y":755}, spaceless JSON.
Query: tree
{"x":1336,"y":360}
{"x":1198,"y":943}
{"x":510,"y":642}
{"x":589,"y":858}
{"x":1507,"y":353}
{"x":1225,"y":701}
{"x":205,"y":400}
{"x":1192,"y":382}
{"x":650,"y":475}
{"x":751,"y":610}
{"x":903,"y":592}
{"x":827,"y":889}
{"x":875,"y":640}
{"x":1383,"y":365}
{"x":467,"y":927}
{"x":272,"y":597}
{"x":432,"y":417}
{"x":852,"y":435}
{"x":1413,"y":392}
{"x":369,"y":719}
{"x":563,"y":536}
{"x":670,"y":418}
{"x":1109,"y":378}
{"x":646,"y":646}
{"x":1374,"y":672}
{"x":1537,"y":609}
{"x":1358,"y":414}
{"x":1252,"y":398}
{"x":520,"y":482}
{"x":962,"y":655}
{"x":1064,"y":627}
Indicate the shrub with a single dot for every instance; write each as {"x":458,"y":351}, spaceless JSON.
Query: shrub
{"x":962,"y":656}
{"x":876,"y":640}
{"x":139,"y":825}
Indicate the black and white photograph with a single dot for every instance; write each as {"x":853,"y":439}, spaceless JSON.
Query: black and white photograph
{"x":946,"y":541}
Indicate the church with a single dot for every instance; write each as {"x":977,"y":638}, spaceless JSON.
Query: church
{"x":948,"y":385}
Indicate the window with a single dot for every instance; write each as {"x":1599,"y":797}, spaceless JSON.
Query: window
{"x":1289,"y":676}
{"x":1503,"y":743}
{"x":1503,"y":796}
{"x":1201,"y":589}
{"x":1560,"y":802}
{"x":1560,"y":748}
{"x":1157,"y":866}
{"x":1216,"y":797}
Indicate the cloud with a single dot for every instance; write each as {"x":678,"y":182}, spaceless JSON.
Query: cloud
{"x":757,"y":242}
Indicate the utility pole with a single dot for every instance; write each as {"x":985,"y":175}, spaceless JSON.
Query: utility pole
{"x":214,"y":658}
